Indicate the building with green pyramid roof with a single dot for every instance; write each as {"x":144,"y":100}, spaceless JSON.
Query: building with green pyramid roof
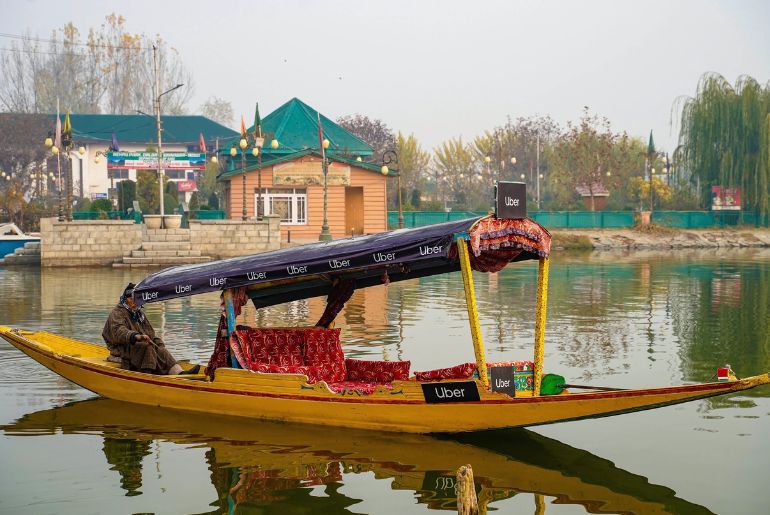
{"x":284,"y":176}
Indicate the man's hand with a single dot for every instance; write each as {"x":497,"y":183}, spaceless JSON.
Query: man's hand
{"x":143,"y":338}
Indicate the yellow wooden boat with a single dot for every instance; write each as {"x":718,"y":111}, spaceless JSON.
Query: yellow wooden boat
{"x":258,"y":461}
{"x":247,"y":378}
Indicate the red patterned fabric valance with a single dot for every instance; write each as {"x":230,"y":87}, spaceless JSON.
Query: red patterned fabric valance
{"x":494,"y":243}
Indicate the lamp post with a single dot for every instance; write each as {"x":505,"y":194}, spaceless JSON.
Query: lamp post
{"x":158,"y":123}
{"x":390,"y":156}
{"x":67,"y":144}
{"x":667,"y":165}
{"x":325,"y":234}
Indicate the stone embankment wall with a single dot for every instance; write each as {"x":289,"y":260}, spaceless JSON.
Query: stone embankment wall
{"x":230,"y":238}
{"x":102,"y":242}
{"x":662,"y":238}
{"x":86,"y":242}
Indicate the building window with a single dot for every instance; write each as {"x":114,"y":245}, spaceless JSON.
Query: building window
{"x":289,"y":203}
{"x":117,"y":173}
{"x":175,"y":174}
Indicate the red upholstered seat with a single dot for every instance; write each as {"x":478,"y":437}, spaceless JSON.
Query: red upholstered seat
{"x":463,"y":371}
{"x":377,"y":371}
{"x":322,"y":349}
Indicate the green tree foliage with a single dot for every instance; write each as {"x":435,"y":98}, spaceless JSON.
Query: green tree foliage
{"x":413,"y":165}
{"x":102,"y":204}
{"x":725,"y":138}
{"x":590,"y":156}
{"x":147,"y":191}
{"x":195,"y":201}
{"x":456,"y":164}
{"x":207,"y":180}
{"x":126,"y":194}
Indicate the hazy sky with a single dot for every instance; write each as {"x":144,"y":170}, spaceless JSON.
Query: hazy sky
{"x":441,"y":69}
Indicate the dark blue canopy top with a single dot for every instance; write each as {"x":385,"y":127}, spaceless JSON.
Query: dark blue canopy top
{"x":309,"y":270}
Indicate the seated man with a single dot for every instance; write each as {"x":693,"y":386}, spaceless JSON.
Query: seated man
{"x":130,"y":337}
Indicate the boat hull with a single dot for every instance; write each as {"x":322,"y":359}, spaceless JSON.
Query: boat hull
{"x":288,"y":397}
{"x":9,"y":244}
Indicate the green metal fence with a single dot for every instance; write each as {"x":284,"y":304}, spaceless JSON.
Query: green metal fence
{"x":584,"y":219}
{"x":101,"y":215}
{"x":599,"y":219}
{"x":420,"y":218}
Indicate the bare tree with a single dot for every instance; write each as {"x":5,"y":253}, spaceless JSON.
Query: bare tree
{"x":372,"y":131}
{"x":111,"y":71}
{"x":219,"y":110}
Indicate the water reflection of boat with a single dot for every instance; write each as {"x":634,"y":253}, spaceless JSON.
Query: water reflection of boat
{"x":253,"y":464}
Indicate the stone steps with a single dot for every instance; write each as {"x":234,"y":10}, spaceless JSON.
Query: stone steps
{"x":162,"y":247}
{"x":29,"y":254}
{"x":165,"y":260}
{"x":164,"y":253}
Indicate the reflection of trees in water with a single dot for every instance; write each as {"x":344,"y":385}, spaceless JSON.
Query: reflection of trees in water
{"x":125,"y":455}
{"x":721,"y":316}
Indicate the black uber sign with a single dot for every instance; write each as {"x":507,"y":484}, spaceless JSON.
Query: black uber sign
{"x":511,"y":200}
{"x":502,"y":380}
{"x":459,"y":391}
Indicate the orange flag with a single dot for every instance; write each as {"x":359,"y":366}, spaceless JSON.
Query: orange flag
{"x":243,"y":128}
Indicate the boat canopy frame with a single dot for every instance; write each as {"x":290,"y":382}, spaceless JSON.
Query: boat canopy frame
{"x":314,"y":270}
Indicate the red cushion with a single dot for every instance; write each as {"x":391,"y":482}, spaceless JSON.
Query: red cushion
{"x":271,"y":346}
{"x":463,"y":371}
{"x":323,"y":349}
{"x":377,"y":371}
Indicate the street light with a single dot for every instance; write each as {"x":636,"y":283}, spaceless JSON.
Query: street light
{"x":325,"y":234}
{"x":390,"y":156}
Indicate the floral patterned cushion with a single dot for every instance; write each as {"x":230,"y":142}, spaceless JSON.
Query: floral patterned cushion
{"x":322,"y":348}
{"x":360,"y":387}
{"x":272,"y":346}
{"x":377,"y":371}
{"x":463,"y":371}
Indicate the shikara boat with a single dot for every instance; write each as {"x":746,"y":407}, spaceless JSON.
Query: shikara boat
{"x":300,"y":374}
{"x":258,"y":462}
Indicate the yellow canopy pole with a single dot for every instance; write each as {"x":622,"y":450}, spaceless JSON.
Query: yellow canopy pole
{"x":542,"y":300}
{"x":473,"y":314}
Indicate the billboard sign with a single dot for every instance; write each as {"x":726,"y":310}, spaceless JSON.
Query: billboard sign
{"x":725,"y":199}
{"x":186,"y":186}
{"x":149,"y":160}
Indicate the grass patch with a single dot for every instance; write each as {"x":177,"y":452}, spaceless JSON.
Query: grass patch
{"x":655,"y":230}
{"x":571,"y":241}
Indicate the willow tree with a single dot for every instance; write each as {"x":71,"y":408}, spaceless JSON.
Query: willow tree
{"x":725,"y":138}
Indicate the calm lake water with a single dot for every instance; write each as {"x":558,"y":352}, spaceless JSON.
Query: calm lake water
{"x":624,"y":320}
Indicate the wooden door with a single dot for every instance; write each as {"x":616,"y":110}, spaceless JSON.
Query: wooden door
{"x":354,"y":210}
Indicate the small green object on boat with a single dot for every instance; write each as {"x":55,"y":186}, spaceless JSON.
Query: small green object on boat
{"x":551,"y":384}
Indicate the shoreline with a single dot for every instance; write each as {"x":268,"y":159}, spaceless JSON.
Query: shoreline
{"x":657,"y":237}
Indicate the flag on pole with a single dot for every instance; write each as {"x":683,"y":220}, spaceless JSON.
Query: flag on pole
{"x":67,"y":131}
{"x":320,"y":136}
{"x":257,"y":123}
{"x":114,"y":144}
{"x":202,"y":143}
{"x":57,"y":139}
{"x":243,"y":128}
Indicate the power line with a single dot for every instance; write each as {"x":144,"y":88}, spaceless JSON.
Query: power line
{"x":41,"y":40}
{"x":29,"y":51}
